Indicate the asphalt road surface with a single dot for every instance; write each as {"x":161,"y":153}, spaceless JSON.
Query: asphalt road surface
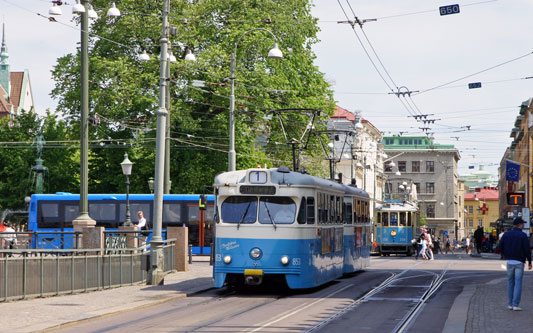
{"x":395,"y":294}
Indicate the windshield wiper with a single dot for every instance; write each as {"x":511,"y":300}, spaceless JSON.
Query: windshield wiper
{"x":244,"y":215}
{"x":269,"y":216}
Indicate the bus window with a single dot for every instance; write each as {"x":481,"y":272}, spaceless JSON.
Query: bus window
{"x":301,"y":213}
{"x":171,"y":214}
{"x":144,"y":206}
{"x":105,"y":214}
{"x":385,"y":219}
{"x":393,"y":219}
{"x":72,"y":211}
{"x":348,"y":213}
{"x":403,"y":221}
{"x":409,"y":219}
{"x":310,"y":210}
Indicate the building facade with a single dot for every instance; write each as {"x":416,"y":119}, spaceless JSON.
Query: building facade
{"x":359,"y":153}
{"x":432,"y":168}
{"x":479,"y":179}
{"x":481,"y":209}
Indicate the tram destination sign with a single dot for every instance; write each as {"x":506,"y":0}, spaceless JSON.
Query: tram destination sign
{"x":254,"y":189}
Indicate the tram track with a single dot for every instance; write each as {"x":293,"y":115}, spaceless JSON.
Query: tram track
{"x":385,"y":284}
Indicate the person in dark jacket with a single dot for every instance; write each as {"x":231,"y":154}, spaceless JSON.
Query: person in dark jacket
{"x":515,"y":248}
{"x":478,"y":236}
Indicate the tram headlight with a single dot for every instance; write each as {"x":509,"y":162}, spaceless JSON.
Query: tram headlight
{"x":255,"y":253}
{"x":285,"y":260}
{"x":227,"y":259}
{"x":393,"y":233}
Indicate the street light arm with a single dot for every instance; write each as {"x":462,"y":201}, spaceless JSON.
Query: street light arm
{"x":247,"y":32}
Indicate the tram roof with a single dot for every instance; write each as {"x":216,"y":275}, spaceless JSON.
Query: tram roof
{"x":406,"y":207}
{"x":351,"y":190}
{"x":281,"y":178}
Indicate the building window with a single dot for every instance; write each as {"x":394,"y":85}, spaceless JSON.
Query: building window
{"x":470,"y":222}
{"x":388,"y":166}
{"x":388,"y":188}
{"x":415,"y":166}
{"x":410,"y":141}
{"x":430,"y":210}
{"x":389,"y":141}
{"x":417,"y":186}
{"x":480,"y":222}
{"x":470,"y":209}
{"x":402,"y":166}
{"x":430,"y":187}
{"x":430,"y":166}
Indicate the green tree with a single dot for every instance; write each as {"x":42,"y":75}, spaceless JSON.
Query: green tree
{"x":124,"y":90}
{"x":18,"y":154}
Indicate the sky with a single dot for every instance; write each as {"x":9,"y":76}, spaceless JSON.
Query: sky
{"x":418,"y":48}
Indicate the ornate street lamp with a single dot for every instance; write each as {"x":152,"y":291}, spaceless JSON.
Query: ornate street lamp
{"x":151,"y":185}
{"x":126,"y":170}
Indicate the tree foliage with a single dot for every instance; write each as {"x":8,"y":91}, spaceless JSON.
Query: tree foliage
{"x":124,"y":91}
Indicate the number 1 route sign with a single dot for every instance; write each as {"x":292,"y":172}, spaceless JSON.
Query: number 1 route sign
{"x":449,"y":9}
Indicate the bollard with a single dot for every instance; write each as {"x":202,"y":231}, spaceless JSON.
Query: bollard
{"x":211,"y":255}
{"x":190,"y":254}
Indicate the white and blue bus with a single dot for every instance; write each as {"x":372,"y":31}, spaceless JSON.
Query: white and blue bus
{"x":55,"y":213}
{"x":289,"y":226}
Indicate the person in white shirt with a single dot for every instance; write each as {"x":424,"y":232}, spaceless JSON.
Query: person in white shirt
{"x":10,"y":240}
{"x":141,"y":225}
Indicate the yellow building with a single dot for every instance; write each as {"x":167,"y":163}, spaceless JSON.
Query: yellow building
{"x":481,"y":208}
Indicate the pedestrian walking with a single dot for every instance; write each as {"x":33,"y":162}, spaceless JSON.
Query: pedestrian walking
{"x":142,"y":226}
{"x":429,"y":245}
{"x":448,"y":245}
{"x":467,"y":244}
{"x":438,"y":246}
{"x":455,"y":245}
{"x":478,"y":237}
{"x":515,"y":248}
{"x":421,"y":245}
{"x":499,"y":240}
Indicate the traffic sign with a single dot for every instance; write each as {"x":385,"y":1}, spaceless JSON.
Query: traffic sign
{"x":474,"y":85}
{"x":515,"y":199}
{"x":449,"y":9}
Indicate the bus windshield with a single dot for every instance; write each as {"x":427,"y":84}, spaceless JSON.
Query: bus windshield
{"x":277,"y":210}
{"x":237,"y":209}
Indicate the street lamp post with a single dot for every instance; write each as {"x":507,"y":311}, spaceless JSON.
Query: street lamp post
{"x":126,"y":170}
{"x":273,"y":53}
{"x":84,"y":219}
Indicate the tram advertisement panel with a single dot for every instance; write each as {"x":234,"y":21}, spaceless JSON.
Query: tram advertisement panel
{"x":326,"y":240}
{"x":338,"y":240}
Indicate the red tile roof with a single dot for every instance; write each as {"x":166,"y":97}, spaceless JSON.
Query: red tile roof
{"x":483,"y":194}
{"x":16,"y":87}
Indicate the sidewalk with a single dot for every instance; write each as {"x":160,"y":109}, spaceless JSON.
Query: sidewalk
{"x":483,"y":307}
{"x":43,"y":313}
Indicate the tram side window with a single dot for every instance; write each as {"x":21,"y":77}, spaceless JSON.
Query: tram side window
{"x":356,"y":211}
{"x":409,"y":219}
{"x":340,"y":211}
{"x":367,"y":211}
{"x":301,"y":212}
{"x":385,"y":219}
{"x":403,"y":221}
{"x":348,"y":213}
{"x":331,"y":216}
{"x":378,"y":217}
{"x":310,"y":210}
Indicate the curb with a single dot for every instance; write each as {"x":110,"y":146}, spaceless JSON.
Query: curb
{"x":458,"y":314}
{"x":118,"y":312}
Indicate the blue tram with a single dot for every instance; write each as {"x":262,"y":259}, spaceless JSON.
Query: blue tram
{"x":274,"y":223}
{"x":55,"y":212}
{"x":396,"y":225}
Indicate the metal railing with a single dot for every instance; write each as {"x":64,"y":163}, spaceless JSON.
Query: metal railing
{"x":29,"y":273}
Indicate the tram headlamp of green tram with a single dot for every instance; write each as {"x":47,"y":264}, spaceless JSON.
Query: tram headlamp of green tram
{"x":393,"y":233}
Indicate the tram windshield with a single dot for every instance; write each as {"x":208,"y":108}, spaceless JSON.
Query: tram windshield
{"x":238,"y":209}
{"x":393,"y":219}
{"x":277,"y":210}
{"x":272,"y":210}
